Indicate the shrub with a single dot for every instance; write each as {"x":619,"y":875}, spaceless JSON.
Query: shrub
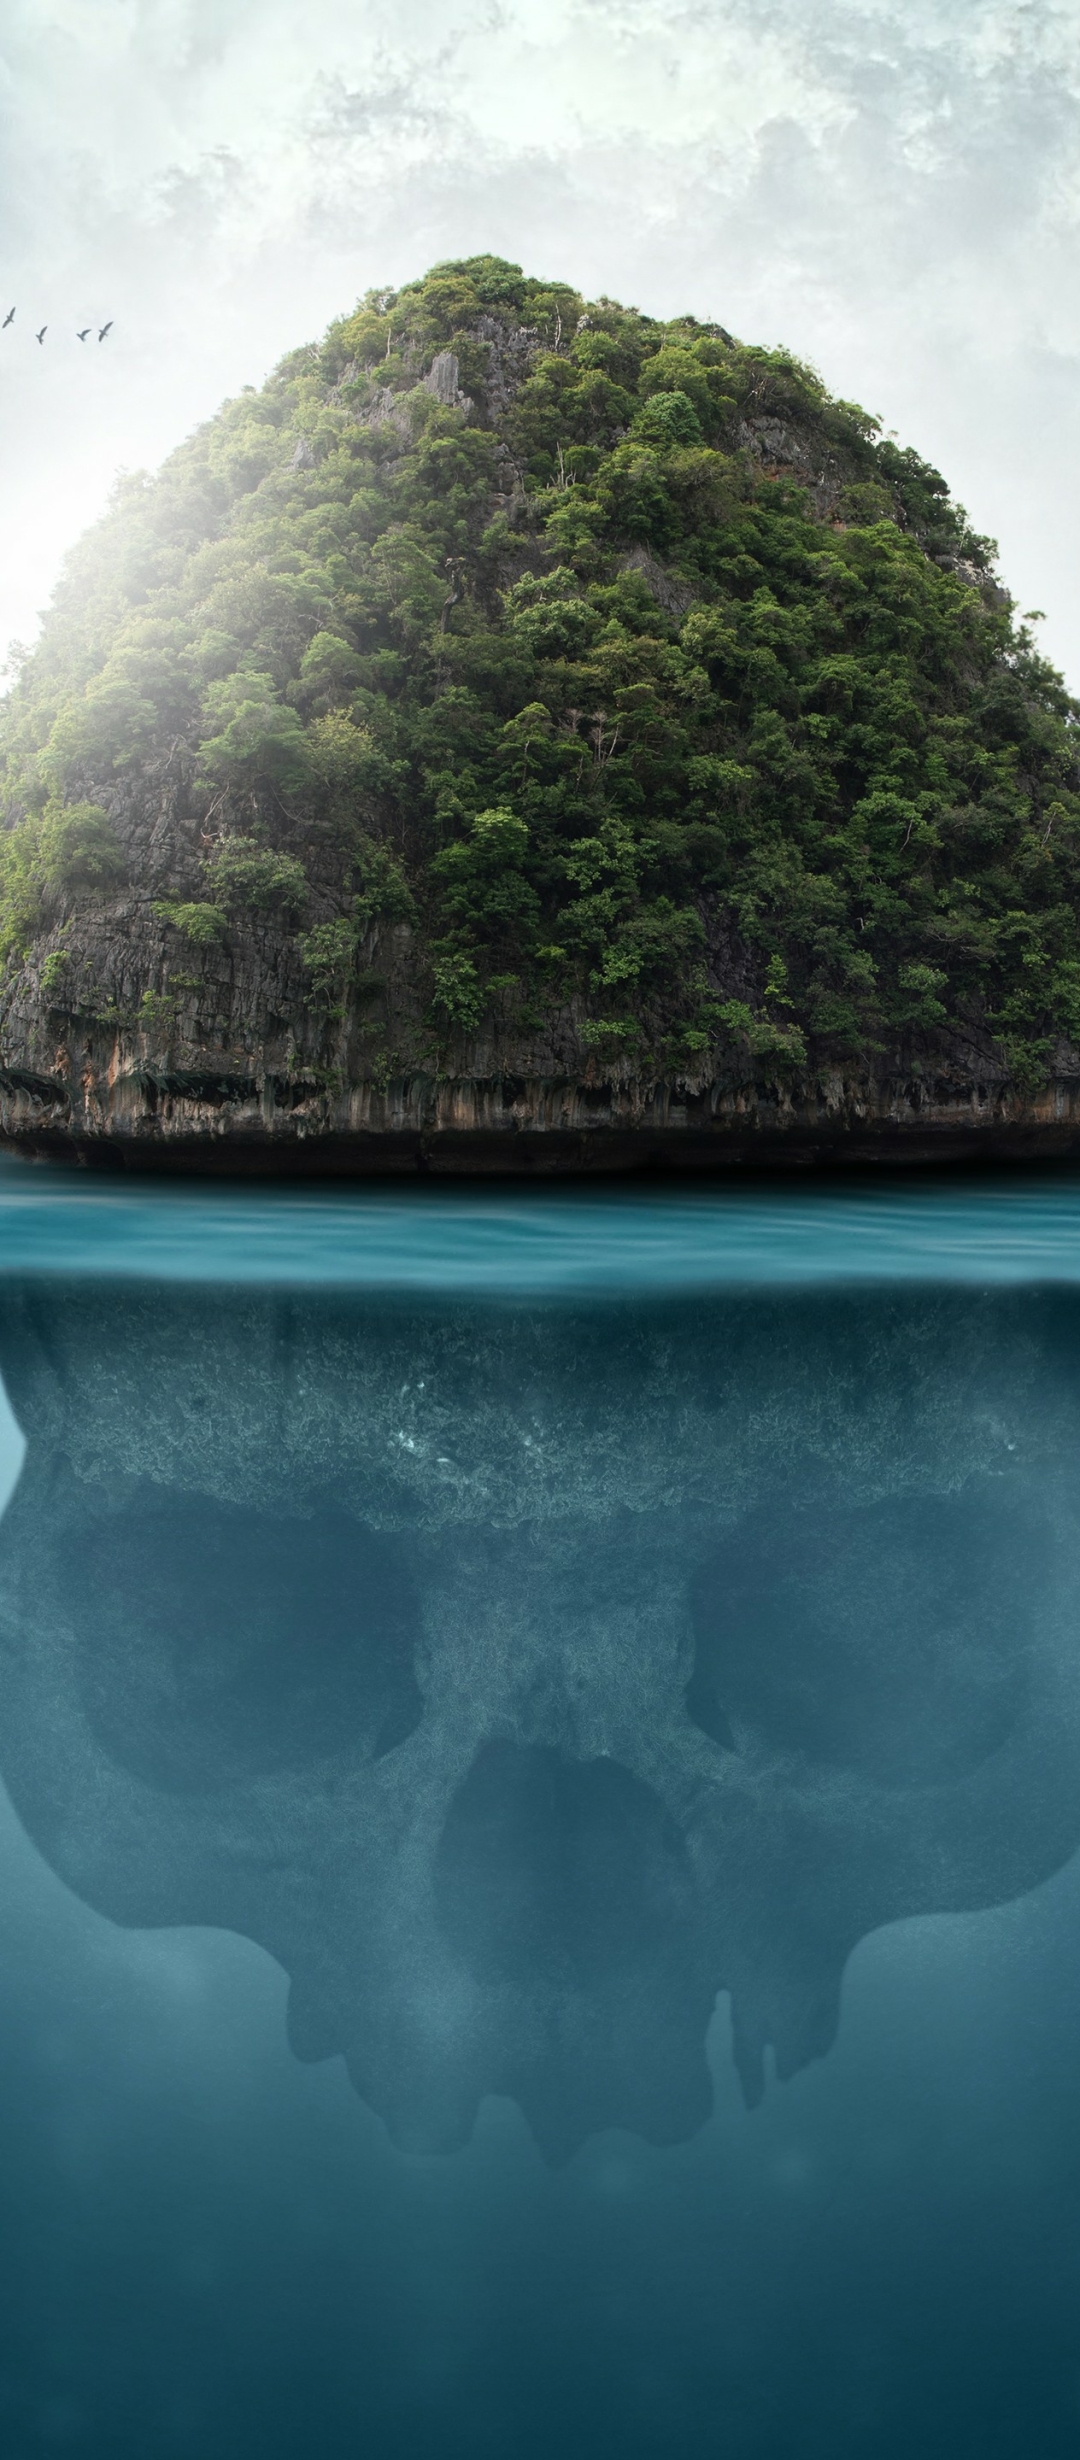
{"x":60,"y":852}
{"x":243,"y":874}
{"x":157,"y":1015}
{"x":329,"y":953}
{"x":383,"y":892}
{"x":484,"y":882}
{"x":78,"y":848}
{"x":54,"y":970}
{"x":203,"y":925}
{"x":257,"y":736}
{"x":20,"y":887}
{"x":459,"y":994}
{"x":669,"y":418}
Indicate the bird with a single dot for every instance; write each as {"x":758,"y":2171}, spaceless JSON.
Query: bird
{"x":105,"y":329}
{"x":41,"y":336}
{"x":81,"y":337}
{"x":7,"y":320}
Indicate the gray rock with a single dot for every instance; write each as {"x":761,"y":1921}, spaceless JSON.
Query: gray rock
{"x":442,"y":378}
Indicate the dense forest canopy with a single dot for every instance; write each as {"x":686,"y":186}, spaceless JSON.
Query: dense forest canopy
{"x":647,"y":683}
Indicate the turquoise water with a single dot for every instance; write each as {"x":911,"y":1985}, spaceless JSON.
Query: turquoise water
{"x":539,"y":1897}
{"x":556,"y":1242}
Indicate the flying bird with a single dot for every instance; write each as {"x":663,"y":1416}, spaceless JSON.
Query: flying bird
{"x":81,"y":337}
{"x":105,"y":329}
{"x":41,"y":336}
{"x":7,"y":320}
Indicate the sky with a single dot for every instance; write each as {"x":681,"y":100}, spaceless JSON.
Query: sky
{"x":891,"y":190}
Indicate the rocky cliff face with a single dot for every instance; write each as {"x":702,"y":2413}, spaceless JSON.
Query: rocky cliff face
{"x":250,"y":1106}
{"x":125,"y":1046}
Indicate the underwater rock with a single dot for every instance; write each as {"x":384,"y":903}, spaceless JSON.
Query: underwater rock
{"x":520,"y":1676}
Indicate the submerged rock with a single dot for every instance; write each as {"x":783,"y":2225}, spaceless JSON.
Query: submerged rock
{"x":522,"y":1675}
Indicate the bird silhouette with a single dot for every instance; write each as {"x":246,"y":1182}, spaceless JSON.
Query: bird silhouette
{"x":7,"y":320}
{"x":81,"y":337}
{"x":41,"y":336}
{"x":105,"y":329}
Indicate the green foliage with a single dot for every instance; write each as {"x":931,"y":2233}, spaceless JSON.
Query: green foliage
{"x":760,"y":1036}
{"x":329,"y":671}
{"x":54,"y":857}
{"x":78,"y":849}
{"x":329,"y":953}
{"x":20,"y":888}
{"x":157,"y":1015}
{"x":667,"y":419}
{"x":331,"y":949}
{"x":244,"y":875}
{"x":583,"y":679}
{"x":493,"y":910}
{"x":54,"y":970}
{"x":383,"y":892}
{"x":203,"y":925}
{"x":257,"y":737}
{"x":458,"y":994}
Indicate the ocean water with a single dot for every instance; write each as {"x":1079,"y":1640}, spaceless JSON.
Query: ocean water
{"x":539,"y":1899}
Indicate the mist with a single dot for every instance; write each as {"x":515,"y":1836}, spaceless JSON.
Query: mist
{"x":892,"y":193}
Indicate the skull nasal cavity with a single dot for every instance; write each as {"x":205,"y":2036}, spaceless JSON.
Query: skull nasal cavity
{"x":556,"y":1868}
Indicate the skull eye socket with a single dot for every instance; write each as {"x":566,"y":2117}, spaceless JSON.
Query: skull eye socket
{"x":219,"y":1643}
{"x":893,"y":1640}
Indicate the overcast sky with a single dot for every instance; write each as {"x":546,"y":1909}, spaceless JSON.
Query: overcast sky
{"x":892,"y":190}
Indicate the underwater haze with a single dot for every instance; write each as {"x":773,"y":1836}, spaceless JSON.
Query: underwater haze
{"x":540,"y":1907}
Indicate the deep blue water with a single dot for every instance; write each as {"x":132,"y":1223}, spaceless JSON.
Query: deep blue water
{"x":522,"y":1620}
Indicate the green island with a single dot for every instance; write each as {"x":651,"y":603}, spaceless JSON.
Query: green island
{"x":518,"y":693}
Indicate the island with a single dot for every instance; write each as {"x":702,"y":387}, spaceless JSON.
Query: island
{"x":526,"y":735}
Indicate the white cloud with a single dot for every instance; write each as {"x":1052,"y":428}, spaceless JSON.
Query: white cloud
{"x":894,"y":190}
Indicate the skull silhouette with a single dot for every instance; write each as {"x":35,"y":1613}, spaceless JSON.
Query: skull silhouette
{"x":522,"y":1675}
